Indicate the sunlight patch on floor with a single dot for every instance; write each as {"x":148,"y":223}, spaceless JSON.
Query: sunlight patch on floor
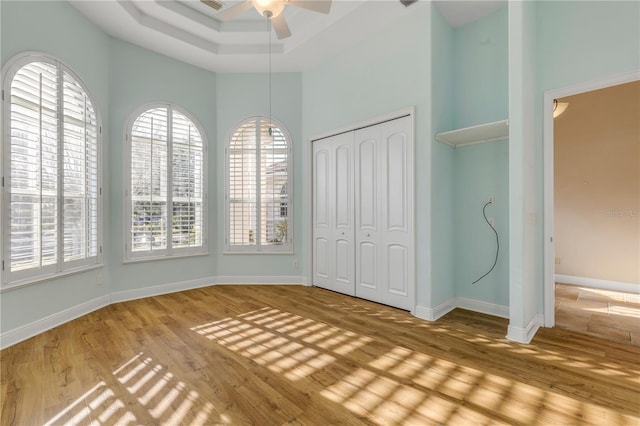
{"x":156,"y":390}
{"x":97,"y":406}
{"x":285,"y":343}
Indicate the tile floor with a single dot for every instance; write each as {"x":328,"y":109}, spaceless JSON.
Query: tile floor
{"x":611,"y":315}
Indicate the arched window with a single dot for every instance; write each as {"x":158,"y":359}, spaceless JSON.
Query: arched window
{"x":166,"y":185}
{"x":52,"y":198}
{"x":258,"y":197}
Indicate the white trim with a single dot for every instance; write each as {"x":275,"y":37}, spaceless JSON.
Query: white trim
{"x":433,"y":314}
{"x":525,"y":335}
{"x":34,"y":328}
{"x":158,"y":290}
{"x":366,"y":123}
{"x":437,"y":312}
{"x":262,"y":280}
{"x":482,"y":307}
{"x":547,"y":142}
{"x":598,"y":283}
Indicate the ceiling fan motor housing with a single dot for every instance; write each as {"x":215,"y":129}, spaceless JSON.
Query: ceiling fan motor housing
{"x":269,"y":8}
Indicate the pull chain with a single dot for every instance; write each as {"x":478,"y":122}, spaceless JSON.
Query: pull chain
{"x":270,"y":121}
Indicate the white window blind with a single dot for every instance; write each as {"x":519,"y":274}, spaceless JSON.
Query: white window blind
{"x":53,"y":177}
{"x":167,"y":185}
{"x":258,"y":201}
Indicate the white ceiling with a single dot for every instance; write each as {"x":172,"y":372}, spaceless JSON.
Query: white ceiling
{"x":188,"y":30}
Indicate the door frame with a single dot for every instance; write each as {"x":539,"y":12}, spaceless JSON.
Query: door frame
{"x":548,"y":161}
{"x":409,"y":111}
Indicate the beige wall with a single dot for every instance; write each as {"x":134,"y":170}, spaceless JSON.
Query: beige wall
{"x":597,"y":185}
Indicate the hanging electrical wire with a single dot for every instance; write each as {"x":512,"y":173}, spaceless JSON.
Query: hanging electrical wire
{"x":269,"y":16}
{"x":497,"y":241}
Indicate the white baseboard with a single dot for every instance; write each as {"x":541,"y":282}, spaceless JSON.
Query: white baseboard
{"x":524,"y":335}
{"x":157,"y":290}
{"x":27,"y":331}
{"x":482,"y":307}
{"x":597,"y":283}
{"x":432,"y":314}
{"x":262,"y":280}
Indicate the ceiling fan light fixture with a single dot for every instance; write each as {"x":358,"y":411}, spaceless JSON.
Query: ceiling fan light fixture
{"x":269,"y":8}
{"x":559,"y":107}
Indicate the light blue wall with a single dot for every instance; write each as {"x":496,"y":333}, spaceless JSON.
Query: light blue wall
{"x":594,"y":40}
{"x":480,"y":70}
{"x":482,"y":170}
{"x":28,"y":26}
{"x":240,"y":96}
{"x":385,"y":73}
{"x":136,"y":77}
{"x":586,"y":40}
{"x":481,"y":96}
{"x":442,"y":162}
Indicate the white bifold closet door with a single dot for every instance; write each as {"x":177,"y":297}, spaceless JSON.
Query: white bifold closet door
{"x":384,"y":213}
{"x":333,"y":216}
{"x":363,"y":213}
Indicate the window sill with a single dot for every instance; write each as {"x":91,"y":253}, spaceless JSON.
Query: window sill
{"x":288,"y":252}
{"x":49,"y":277}
{"x":155,"y":258}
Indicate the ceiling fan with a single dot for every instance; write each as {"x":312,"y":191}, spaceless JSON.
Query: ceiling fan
{"x":270,"y":9}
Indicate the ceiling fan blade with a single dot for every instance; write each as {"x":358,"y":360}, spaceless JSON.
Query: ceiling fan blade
{"x":234,"y":11}
{"x":213,"y":4}
{"x":281,"y":27}
{"x":322,"y":6}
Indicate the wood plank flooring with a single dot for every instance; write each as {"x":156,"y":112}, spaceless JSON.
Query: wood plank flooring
{"x":610,"y":315}
{"x":292,"y":355}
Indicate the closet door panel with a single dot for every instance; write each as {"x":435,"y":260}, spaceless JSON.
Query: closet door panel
{"x":366,"y":274}
{"x":397,"y":257}
{"x":397,"y":216}
{"x":396,"y":185}
{"x":343,"y":252}
{"x":322,"y":222}
{"x":321,"y":262}
{"x":367,"y":185}
{"x":370,"y":270}
{"x":343,"y":255}
{"x":343,"y":190}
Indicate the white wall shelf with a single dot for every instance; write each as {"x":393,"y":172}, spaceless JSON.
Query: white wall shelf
{"x":487,"y":132}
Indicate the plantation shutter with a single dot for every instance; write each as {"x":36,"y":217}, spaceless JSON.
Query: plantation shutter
{"x":80,"y":175}
{"x":167,"y":186}
{"x":274,"y":188}
{"x":188,"y":191}
{"x":52,"y":184}
{"x":258,"y":188}
{"x":242,"y":186}
{"x":34,"y":151}
{"x":149,"y":181}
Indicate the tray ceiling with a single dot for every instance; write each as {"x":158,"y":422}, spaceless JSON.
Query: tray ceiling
{"x":188,"y":30}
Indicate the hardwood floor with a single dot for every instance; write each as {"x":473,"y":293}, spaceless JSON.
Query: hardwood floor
{"x":291,"y":355}
{"x":610,"y":315}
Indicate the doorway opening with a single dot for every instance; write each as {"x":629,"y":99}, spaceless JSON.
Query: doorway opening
{"x":592,"y":219}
